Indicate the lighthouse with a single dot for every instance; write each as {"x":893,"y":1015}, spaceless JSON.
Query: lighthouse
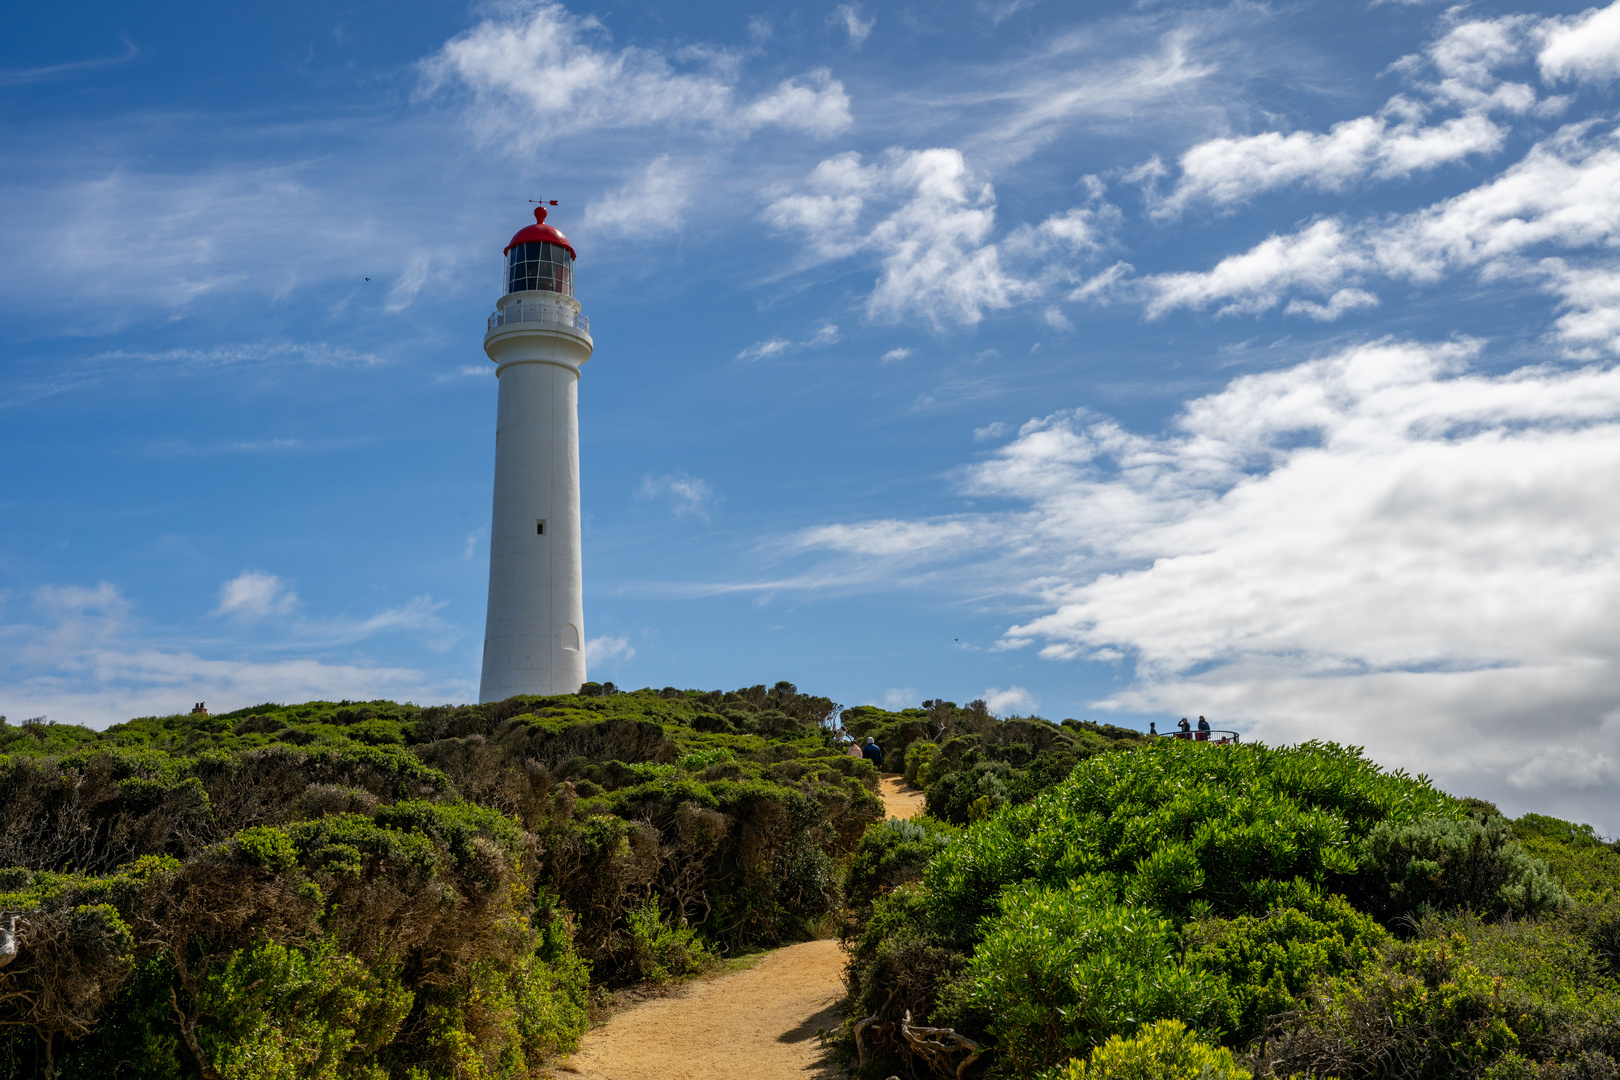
{"x":534,"y":632}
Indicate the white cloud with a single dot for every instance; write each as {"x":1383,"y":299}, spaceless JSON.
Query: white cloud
{"x":650,"y":203}
{"x":1340,"y":302}
{"x":84,"y":661}
{"x":847,"y":17}
{"x":764,"y":350}
{"x":994,"y":430}
{"x":825,"y":334}
{"x":890,"y":539}
{"x":930,"y":232}
{"x":1316,"y":259}
{"x":895,"y":355}
{"x":1227,"y":171}
{"x":255,"y":595}
{"x":601,"y":649}
{"x":900,"y":697}
{"x":1584,"y":48}
{"x":820,"y":108}
{"x":535,"y":74}
{"x":1561,"y":195}
{"x":1014,"y":699}
{"x":133,"y":240}
{"x":1459,"y":70}
{"x":686,"y":495}
{"x":1380,"y":546}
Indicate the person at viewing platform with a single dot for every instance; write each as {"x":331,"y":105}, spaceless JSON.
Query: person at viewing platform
{"x":1153,"y":727}
{"x":1186,"y":729}
{"x":1203,"y":729}
{"x":872,"y":752}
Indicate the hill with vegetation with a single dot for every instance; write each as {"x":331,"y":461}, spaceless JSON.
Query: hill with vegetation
{"x":1202,"y":911}
{"x":375,"y":890}
{"x":369,"y":889}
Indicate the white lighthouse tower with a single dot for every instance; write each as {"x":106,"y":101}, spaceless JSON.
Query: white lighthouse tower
{"x":534,"y":634}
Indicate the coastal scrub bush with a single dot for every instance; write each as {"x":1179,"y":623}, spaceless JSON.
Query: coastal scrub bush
{"x":1063,"y":968}
{"x":1445,"y":863}
{"x":1265,"y":962}
{"x":1162,"y":1050}
{"x":1049,"y":926}
{"x":1419,"y":1009}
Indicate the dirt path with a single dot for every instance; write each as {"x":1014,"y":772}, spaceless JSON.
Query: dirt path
{"x":900,"y":799}
{"x":758,"y":1024}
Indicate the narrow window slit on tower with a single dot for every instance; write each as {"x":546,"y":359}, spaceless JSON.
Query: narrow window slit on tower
{"x":540,"y":528}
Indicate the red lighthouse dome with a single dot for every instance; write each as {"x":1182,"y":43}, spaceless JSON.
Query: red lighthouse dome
{"x":540,"y":233}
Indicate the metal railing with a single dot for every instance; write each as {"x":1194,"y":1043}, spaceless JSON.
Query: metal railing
{"x":539,"y":313}
{"x":1214,"y":735}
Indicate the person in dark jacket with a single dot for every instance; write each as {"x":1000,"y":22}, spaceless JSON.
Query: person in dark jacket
{"x":1203,"y":729}
{"x":872,"y":752}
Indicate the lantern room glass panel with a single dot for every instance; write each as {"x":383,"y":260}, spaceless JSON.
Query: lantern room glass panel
{"x":540,"y":266}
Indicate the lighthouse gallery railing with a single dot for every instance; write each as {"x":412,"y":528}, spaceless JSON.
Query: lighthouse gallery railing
{"x":539,"y":313}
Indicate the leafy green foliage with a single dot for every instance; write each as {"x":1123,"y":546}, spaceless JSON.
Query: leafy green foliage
{"x":1445,"y":863}
{"x":1266,"y":962}
{"x":1162,"y":1050}
{"x":369,"y":889}
{"x":1063,"y":968}
{"x":1048,"y":927}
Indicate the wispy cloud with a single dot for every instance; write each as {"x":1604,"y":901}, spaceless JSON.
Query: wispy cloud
{"x":685,"y":495}
{"x":931,"y":235}
{"x":1014,"y":699}
{"x":651,"y":202}
{"x":253,"y":594}
{"x":1556,"y":201}
{"x":847,"y":17}
{"x":83,"y":658}
{"x":599,"y":650}
{"x":538,"y":62}
{"x":23,"y":76}
{"x":825,"y":334}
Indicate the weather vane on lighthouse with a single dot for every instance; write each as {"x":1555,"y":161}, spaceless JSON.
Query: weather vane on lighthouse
{"x":534,"y":633}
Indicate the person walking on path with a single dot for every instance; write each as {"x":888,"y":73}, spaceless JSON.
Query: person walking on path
{"x":872,"y":752}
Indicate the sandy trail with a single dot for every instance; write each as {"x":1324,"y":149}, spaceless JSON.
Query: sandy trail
{"x":900,"y":799}
{"x":757,"y":1024}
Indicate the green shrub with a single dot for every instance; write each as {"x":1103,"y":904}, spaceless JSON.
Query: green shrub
{"x":279,"y":1012}
{"x":892,"y":853}
{"x":1438,"y":863}
{"x":659,"y":952}
{"x":1420,"y":1004}
{"x":954,"y":796}
{"x":1164,"y":1050}
{"x":919,"y":756}
{"x":1266,"y":962}
{"x":1062,"y":968}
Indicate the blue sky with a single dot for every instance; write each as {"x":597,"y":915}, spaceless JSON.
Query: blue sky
{"x":1109,"y":361}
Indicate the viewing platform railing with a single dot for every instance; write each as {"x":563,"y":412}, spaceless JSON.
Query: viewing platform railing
{"x":539,"y":313}
{"x":1214,"y":735}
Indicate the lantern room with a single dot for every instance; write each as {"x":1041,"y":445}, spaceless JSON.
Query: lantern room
{"x":540,"y":258}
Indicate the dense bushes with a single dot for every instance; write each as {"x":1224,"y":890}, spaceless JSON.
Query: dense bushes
{"x":1062,"y":968}
{"x":972,"y":764}
{"x":1162,"y":1050}
{"x":1261,"y":898}
{"x":370,"y":890}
